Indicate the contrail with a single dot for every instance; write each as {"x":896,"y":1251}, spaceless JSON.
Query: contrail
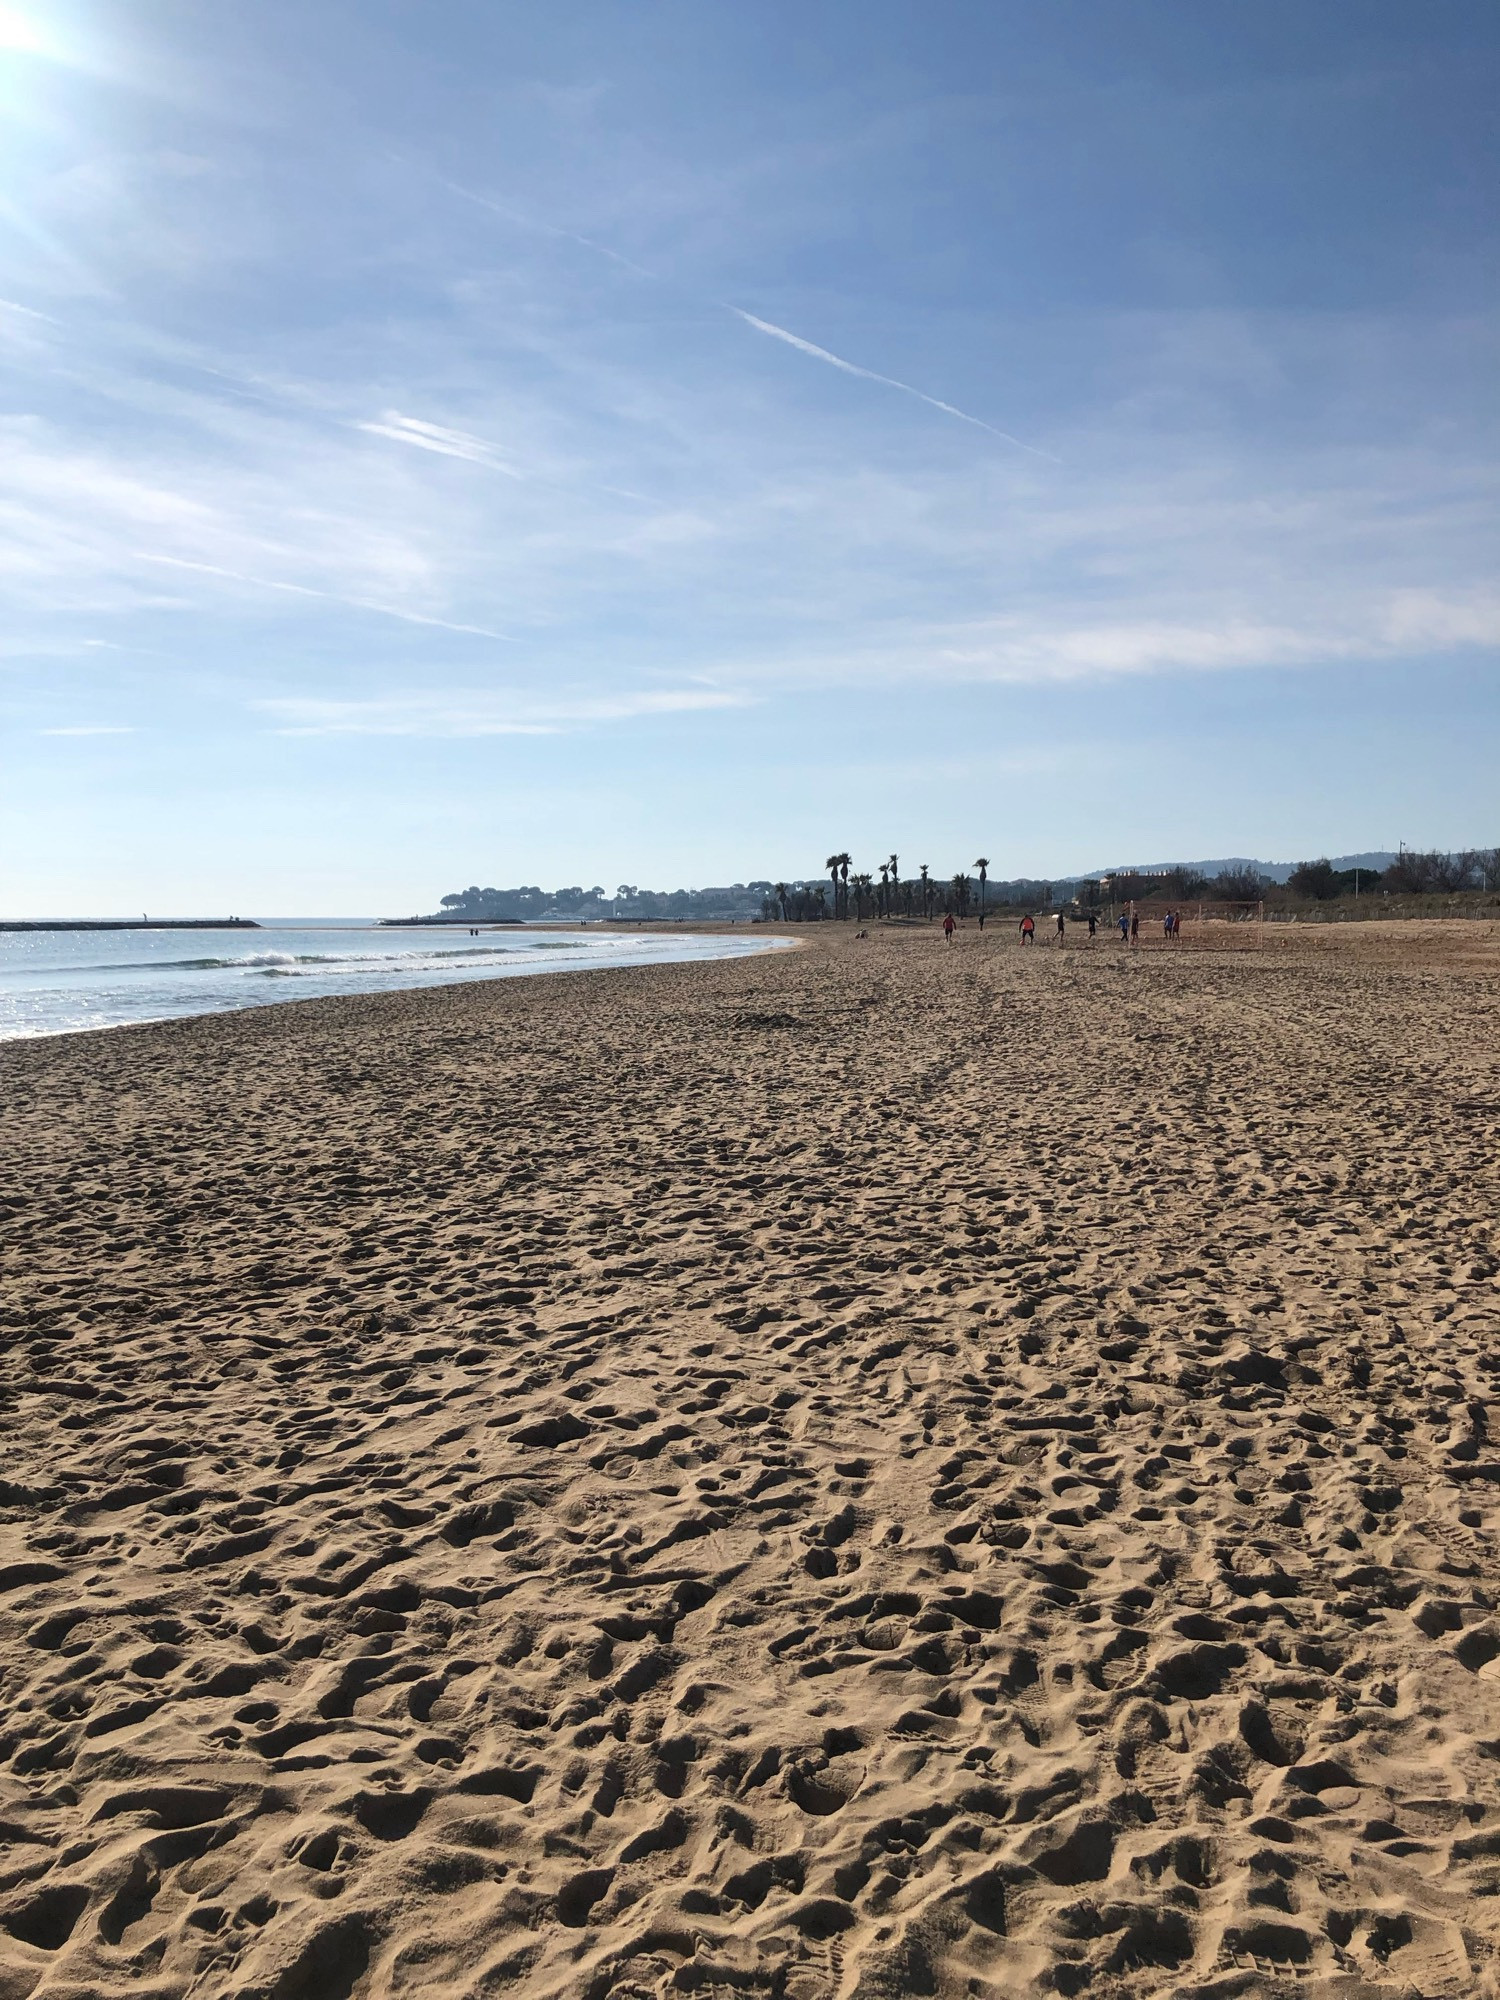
{"x":890,"y":382}
{"x":546,"y":228}
{"x":761,"y":325}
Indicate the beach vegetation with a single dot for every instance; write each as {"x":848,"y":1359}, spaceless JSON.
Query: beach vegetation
{"x":1437,"y":874}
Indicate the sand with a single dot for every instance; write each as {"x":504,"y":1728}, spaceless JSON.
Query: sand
{"x":882,"y":1470}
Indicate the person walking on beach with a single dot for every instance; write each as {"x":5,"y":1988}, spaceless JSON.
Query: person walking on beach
{"x":1135,"y":927}
{"x":1166,"y":927}
{"x":1093,"y":923}
{"x":1028,"y":930}
{"x":1059,"y":926}
{"x":1124,"y":926}
{"x":948,"y":927}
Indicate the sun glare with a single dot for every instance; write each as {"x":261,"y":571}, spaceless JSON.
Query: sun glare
{"x":19,"y":34}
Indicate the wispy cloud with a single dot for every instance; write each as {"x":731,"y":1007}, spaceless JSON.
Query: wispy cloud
{"x":889,"y":381}
{"x":484,"y":713}
{"x":435,"y":437}
{"x":1035,"y":648}
{"x":91,"y":729}
{"x":26,"y":312}
{"x":307,"y":590}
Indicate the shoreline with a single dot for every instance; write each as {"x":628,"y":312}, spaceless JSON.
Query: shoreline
{"x":1398,"y":936}
{"x":419,"y":982}
{"x":798,"y":1473}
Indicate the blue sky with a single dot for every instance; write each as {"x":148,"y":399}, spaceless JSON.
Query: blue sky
{"x":663,"y":443}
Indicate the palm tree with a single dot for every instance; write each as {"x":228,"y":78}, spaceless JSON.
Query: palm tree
{"x":983,"y":865}
{"x":885,"y":876}
{"x":780,"y":893}
{"x":862,"y":887}
{"x":832,"y":865}
{"x":844,"y":861}
{"x":895,"y":879}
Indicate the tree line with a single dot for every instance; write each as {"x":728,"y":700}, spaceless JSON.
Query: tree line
{"x":629,"y":903}
{"x":885,"y":892}
{"x":1412,"y":873}
{"x":858,"y":894}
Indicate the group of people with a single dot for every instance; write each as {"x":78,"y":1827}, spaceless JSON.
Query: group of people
{"x":1129,"y":922}
{"x":1130,"y":926}
{"x":1028,"y":927}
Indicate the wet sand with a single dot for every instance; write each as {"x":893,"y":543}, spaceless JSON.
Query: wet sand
{"x":880,"y":1470}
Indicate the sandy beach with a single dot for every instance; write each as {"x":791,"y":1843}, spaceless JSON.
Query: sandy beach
{"x":881,"y":1469}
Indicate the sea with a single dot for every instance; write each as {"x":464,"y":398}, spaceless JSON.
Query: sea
{"x":69,"y":982}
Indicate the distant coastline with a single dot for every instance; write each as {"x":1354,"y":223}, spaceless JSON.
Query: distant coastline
{"x":135,"y":924}
{"x":418,"y":923}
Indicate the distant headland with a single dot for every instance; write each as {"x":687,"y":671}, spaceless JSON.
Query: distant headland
{"x":135,"y":924}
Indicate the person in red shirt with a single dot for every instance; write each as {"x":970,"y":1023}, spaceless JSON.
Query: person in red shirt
{"x":1028,"y":930}
{"x":948,"y":927}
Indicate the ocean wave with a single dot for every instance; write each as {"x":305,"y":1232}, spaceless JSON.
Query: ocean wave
{"x":68,"y":999}
{"x":137,"y":965}
{"x":186,"y":964}
{"x":258,"y":961}
{"x":479,"y":951}
{"x":369,"y":965}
